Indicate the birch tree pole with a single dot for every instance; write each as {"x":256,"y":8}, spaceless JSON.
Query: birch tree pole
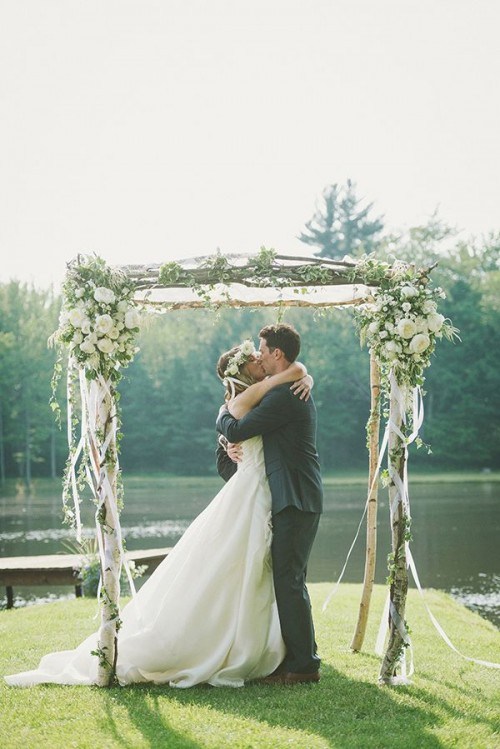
{"x":373,"y":429}
{"x":104,"y":463}
{"x":398,"y":571}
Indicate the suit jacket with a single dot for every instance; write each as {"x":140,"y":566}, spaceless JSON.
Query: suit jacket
{"x":225,"y":466}
{"x":288,"y":428}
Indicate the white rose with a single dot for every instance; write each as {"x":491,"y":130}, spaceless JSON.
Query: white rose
{"x":435,"y":322}
{"x":383,"y":334}
{"x":131,"y":318}
{"x":406,"y":328}
{"x":122,"y":306}
{"x":409,"y":291}
{"x":105,"y":345}
{"x":406,"y":306}
{"x":429,"y":307}
{"x":104,"y":323}
{"x":389,"y":327}
{"x":247,"y":348}
{"x":92,"y":338}
{"x":77,"y":337}
{"x":76,"y":316}
{"x":105,"y":295}
{"x":114,"y":333}
{"x":233,"y":370}
{"x":373,"y":327}
{"x":419,"y":343}
{"x":87,"y":347}
{"x":86,"y":326}
{"x":393,"y":346}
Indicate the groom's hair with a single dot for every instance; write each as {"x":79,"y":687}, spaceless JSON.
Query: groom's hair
{"x":284,"y":337}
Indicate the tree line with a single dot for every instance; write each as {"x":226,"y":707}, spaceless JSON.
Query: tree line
{"x":170,"y":394}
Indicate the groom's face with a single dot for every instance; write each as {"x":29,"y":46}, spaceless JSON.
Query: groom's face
{"x":266,"y":358}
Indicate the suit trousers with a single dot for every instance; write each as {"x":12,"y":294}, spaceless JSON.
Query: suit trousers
{"x":293,"y":536}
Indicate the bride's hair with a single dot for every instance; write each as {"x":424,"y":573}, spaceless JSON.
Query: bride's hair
{"x":222,"y":366}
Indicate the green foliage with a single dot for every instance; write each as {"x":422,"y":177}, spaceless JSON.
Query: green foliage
{"x":341,"y":226}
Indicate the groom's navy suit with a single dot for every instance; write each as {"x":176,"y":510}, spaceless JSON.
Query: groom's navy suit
{"x":288,"y":428}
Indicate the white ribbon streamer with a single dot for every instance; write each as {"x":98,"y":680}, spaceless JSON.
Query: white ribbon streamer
{"x":370,"y":490}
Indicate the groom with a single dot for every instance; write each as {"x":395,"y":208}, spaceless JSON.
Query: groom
{"x":288,"y":428}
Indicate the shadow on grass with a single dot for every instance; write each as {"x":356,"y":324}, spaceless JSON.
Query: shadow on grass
{"x":463,"y":692}
{"x":146,"y":715}
{"x":344,"y":712}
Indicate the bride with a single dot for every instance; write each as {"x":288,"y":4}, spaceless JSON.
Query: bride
{"x":208,"y":613}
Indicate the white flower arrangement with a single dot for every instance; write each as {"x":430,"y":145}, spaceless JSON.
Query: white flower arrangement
{"x":240,"y":358}
{"x":98,"y":321}
{"x":401,"y":323}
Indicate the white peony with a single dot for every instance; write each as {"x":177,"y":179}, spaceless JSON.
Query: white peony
{"x":106,"y":345}
{"x":409,"y":291}
{"x":435,"y":322}
{"x":87,"y":347}
{"x":406,"y":328}
{"x":421,"y":325}
{"x":419,"y":343}
{"x":104,"y":323}
{"x":105,"y":295}
{"x":76,"y":316}
{"x":131,"y":318}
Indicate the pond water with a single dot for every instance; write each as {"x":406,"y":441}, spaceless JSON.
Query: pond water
{"x":455,"y":531}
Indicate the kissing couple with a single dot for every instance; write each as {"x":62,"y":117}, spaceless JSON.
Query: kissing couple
{"x":229,"y":604}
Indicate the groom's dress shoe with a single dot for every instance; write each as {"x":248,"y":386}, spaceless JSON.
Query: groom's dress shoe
{"x":289,"y":677}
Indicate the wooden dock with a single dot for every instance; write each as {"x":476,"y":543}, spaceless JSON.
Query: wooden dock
{"x":62,"y":569}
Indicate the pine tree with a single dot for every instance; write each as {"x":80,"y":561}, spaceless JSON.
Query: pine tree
{"x":341,"y":226}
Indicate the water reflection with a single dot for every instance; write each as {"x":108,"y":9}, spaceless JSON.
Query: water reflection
{"x":455,"y":528}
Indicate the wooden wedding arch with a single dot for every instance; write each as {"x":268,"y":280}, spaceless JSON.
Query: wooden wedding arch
{"x":98,"y":325}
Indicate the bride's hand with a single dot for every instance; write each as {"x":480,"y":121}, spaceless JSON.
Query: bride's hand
{"x":303,"y":387}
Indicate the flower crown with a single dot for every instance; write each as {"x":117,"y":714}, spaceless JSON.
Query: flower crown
{"x":240,"y":358}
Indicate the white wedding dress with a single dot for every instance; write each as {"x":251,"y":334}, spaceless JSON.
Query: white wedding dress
{"x":208,"y":613}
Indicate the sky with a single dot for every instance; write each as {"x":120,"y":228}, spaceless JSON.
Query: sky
{"x":152,"y":130}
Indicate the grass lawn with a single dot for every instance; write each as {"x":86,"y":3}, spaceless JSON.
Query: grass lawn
{"x":451,"y":703}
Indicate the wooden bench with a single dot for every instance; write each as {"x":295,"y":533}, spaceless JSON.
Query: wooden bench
{"x":61,"y":569}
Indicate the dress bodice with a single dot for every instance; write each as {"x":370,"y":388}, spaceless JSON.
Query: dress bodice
{"x":253,"y":454}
